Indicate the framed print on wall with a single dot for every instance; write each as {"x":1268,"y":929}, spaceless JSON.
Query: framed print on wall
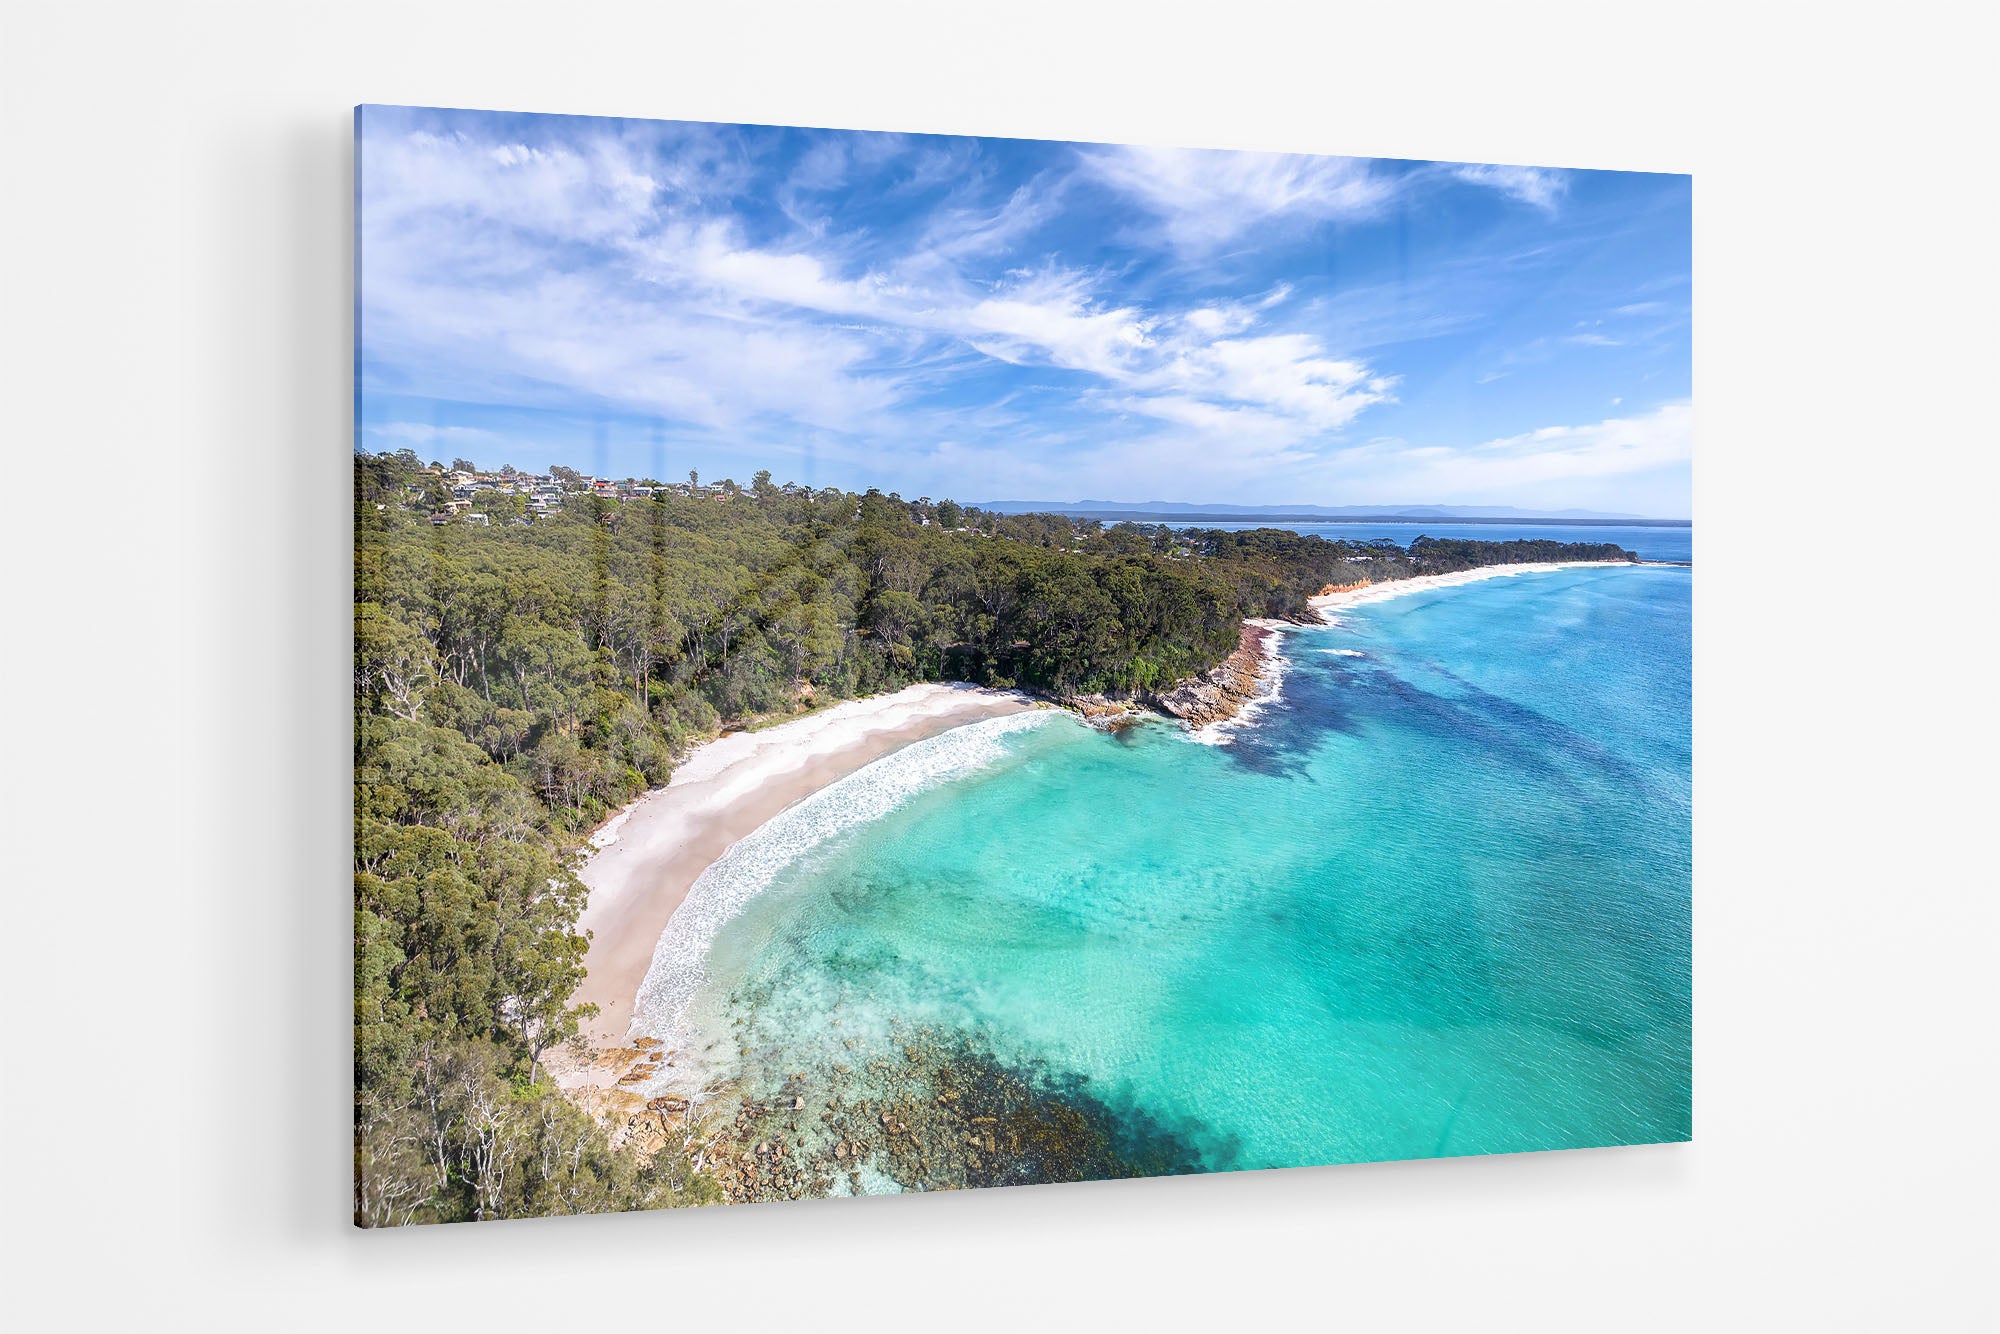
{"x":890,"y":662}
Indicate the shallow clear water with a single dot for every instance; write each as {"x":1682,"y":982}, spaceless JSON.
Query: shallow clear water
{"x":1433,"y":900}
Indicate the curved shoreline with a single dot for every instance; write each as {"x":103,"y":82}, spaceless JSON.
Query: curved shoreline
{"x":651,"y":853}
{"x":1391,"y":588}
{"x":679,"y":970}
{"x":1253,"y":676}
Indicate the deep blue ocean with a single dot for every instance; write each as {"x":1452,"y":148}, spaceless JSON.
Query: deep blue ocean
{"x":1432,"y":899}
{"x":1651,"y":543}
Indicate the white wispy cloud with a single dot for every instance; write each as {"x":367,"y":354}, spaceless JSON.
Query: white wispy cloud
{"x":467,"y":263}
{"x":1620,"y":444}
{"x":1206,"y":199}
{"x":778,"y":304}
{"x":1542,"y":187}
{"x":424,"y":433}
{"x":1593,"y":465}
{"x":960,"y":231}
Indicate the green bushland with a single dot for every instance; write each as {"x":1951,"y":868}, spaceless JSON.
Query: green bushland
{"x":516,"y":682}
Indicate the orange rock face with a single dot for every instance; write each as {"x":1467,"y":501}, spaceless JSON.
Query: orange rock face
{"x":1221,"y":692}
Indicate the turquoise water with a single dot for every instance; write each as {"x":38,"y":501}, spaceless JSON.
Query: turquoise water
{"x":1432,"y":900}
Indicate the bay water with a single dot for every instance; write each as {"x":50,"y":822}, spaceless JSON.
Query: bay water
{"x":1431,"y":899}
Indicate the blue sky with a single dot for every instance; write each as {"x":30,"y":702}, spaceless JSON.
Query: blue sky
{"x":994,"y":319}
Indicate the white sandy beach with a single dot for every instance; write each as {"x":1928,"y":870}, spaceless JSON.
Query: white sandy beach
{"x":1270,"y":667}
{"x":651,"y":853}
{"x":654,"y":850}
{"x":1327,"y":603}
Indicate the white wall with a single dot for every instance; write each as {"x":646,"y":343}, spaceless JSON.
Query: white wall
{"x":176,"y":423}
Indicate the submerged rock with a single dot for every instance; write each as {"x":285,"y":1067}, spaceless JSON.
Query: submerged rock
{"x":953,"y":1115}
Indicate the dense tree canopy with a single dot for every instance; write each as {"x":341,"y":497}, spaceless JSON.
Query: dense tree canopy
{"x":517,"y":680}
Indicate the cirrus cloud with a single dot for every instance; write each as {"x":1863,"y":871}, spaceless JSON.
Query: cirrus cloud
{"x":966,"y":315}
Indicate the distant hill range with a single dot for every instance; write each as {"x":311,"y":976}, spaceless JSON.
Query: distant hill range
{"x":1165,"y":511}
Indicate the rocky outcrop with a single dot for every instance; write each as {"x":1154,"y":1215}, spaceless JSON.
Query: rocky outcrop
{"x":1220,"y":693}
{"x":932,"y":1109}
{"x":1217,"y":695}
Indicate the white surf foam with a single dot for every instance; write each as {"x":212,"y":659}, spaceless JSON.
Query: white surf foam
{"x":678,"y":969}
{"x":1270,"y":688}
{"x":1327,"y":604}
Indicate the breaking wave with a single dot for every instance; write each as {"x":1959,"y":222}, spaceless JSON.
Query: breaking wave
{"x":1270,"y":689}
{"x":678,"y":969}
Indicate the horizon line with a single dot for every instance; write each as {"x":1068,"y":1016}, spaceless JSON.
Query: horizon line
{"x":1129,"y":508}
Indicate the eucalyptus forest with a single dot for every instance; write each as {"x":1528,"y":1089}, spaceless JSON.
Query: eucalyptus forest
{"x":520,"y":675}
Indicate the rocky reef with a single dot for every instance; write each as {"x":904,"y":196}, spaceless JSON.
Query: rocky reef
{"x":1215,"y":696}
{"x":1220,"y":693}
{"x":939,"y":1112}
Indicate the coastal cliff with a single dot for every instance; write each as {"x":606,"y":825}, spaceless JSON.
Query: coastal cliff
{"x":1220,"y":693}
{"x":1216,"y":695}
